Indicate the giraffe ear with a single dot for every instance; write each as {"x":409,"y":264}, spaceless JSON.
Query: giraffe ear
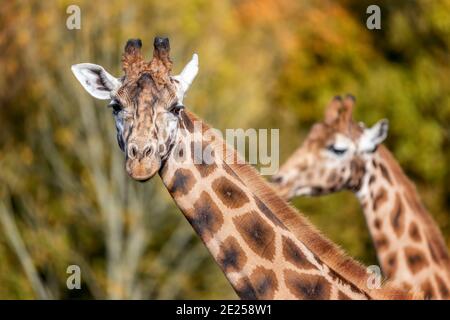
{"x":373,"y":136}
{"x":95,"y":80}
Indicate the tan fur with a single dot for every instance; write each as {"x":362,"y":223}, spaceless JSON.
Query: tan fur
{"x":413,"y":197}
{"x":328,"y":252}
{"x":237,"y":215}
{"x":390,"y":201}
{"x":433,"y":233}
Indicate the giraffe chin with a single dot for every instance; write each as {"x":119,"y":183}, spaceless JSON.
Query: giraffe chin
{"x":303,"y":191}
{"x":141,"y":172}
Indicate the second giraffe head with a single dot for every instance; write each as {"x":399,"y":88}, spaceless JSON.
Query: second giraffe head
{"x":333,"y":155}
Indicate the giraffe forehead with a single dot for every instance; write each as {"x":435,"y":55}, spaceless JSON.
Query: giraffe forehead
{"x":320,"y":133}
{"x":342,"y":141}
{"x":320,"y":136}
{"x":145,"y":96}
{"x":323,"y":133}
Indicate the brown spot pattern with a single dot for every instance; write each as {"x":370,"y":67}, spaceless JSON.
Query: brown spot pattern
{"x":198,"y":152}
{"x":414,"y":232}
{"x":379,"y":199}
{"x":306,"y":286}
{"x":398,"y":217}
{"x":405,"y":286}
{"x":264,"y":282}
{"x":229,"y":193}
{"x":390,"y":265}
{"x":432,"y":252}
{"x":428,"y":291}
{"x":381,"y":242}
{"x":294,"y":255}
{"x":182,"y":182}
{"x":374,"y":163}
{"x":332,"y":177}
{"x":385,"y":173}
{"x":358,"y":170}
{"x":206,"y":217}
{"x":343,"y":296}
{"x":231,"y":257}
{"x":245,"y":290}
{"x":415,"y":259}
{"x":257,"y":233}
{"x":377,"y":223}
{"x":438,"y":252}
{"x":443,"y":289}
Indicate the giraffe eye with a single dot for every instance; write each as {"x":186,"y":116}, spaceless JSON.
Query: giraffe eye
{"x":116,"y":106}
{"x":338,"y":151}
{"x":176,"y":107}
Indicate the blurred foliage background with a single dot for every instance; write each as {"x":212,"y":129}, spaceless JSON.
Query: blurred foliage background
{"x":64,"y":196}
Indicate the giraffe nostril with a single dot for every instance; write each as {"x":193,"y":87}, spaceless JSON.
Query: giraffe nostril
{"x":148,"y":151}
{"x":132,"y":151}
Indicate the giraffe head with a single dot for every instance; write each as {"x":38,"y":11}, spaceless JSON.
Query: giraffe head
{"x":333,"y":155}
{"x":145,"y":103}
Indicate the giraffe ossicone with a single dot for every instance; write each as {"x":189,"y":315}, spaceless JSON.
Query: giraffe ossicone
{"x":340,"y":154}
{"x":264,"y":247}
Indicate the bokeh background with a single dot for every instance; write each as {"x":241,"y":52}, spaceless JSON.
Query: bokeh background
{"x":64,"y":196}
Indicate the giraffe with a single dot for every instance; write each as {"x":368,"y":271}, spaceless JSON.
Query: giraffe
{"x":264,"y":247}
{"x":339,"y":154}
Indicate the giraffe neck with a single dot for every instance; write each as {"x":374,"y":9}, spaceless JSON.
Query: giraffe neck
{"x":265,"y":248}
{"x":409,"y":244}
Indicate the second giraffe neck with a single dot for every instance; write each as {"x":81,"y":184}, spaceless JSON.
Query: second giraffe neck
{"x":265,"y":248}
{"x":409,"y":244}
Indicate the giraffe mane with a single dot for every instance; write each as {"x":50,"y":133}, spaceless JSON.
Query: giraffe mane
{"x":328,"y":252}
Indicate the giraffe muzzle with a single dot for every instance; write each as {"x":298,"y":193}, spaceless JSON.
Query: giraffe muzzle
{"x":142,"y":163}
